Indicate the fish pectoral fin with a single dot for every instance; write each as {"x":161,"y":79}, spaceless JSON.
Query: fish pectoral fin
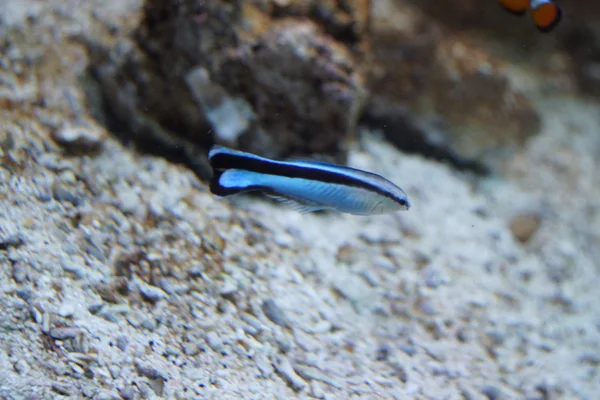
{"x":296,"y":205}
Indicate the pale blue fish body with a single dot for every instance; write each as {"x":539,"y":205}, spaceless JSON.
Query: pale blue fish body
{"x":307,"y":185}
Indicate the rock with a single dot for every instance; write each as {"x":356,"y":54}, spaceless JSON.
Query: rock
{"x":217,"y":60}
{"x":67,"y":308}
{"x":493,"y":392}
{"x":524,"y":226}
{"x":151,"y":293}
{"x":150,"y":371}
{"x":314,"y":98}
{"x":62,"y":389}
{"x":400,"y":372}
{"x":419,"y":65}
{"x":215,"y":342}
{"x":129,"y":393}
{"x":311,"y":373}
{"x":10,"y":239}
{"x":286,"y":371}
{"x":79,"y":139}
{"x":437,"y":351}
{"x":64,"y":333}
{"x":274,"y":313}
{"x":64,"y":194}
{"x":122,"y":342}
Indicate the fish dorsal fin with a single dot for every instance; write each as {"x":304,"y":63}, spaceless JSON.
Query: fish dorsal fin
{"x":301,"y":207}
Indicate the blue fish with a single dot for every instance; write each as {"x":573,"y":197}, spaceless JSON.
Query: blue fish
{"x":305,"y":185}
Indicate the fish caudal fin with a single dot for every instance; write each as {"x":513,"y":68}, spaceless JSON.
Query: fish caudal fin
{"x":215,"y":186}
{"x":223,"y":161}
{"x":232,"y":181}
{"x":546,"y":16}
{"x":518,"y":7}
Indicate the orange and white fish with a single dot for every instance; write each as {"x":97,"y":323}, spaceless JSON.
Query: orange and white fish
{"x":545,"y":13}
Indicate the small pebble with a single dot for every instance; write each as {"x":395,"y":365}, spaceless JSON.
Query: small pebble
{"x":274,"y":313}
{"x":10,"y":240}
{"x":151,"y":293}
{"x":122,"y":342}
{"x":264,"y":366}
{"x":409,"y":350}
{"x":20,"y":274}
{"x":316,"y":390}
{"x":111,"y":313}
{"x":78,"y":139}
{"x":62,"y":389}
{"x":383,"y":352}
{"x":76,"y":270}
{"x":434,"y":277}
{"x":95,"y":308}
{"x":214,"y":342}
{"x":115,"y":371}
{"x":524,"y":226}
{"x":285,"y":369}
{"x":314,"y":374}
{"x":436,"y":351}
{"x":62,"y":194}
{"x":66,"y":309}
{"x":64,"y":333}
{"x":190,"y":349}
{"x":21,"y":367}
{"x":229,"y":287}
{"x":88,"y":390}
{"x":427,"y":306}
{"x":149,"y":371}
{"x":151,"y":389}
{"x":128,"y":393}
{"x":149,"y":323}
{"x":400,"y":372}
{"x":172,"y":286}
{"x":492,"y":392}
{"x":252,"y":321}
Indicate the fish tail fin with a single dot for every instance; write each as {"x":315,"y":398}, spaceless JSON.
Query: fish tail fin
{"x":517,"y":7}
{"x":232,"y":181}
{"x":235,"y":171}
{"x":214,"y":185}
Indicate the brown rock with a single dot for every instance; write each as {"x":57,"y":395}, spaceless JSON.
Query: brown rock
{"x":270,"y":77}
{"x":432,"y":71}
{"x":471,"y":91}
{"x":524,"y":226}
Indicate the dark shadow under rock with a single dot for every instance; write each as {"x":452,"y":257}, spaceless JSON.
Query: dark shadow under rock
{"x":415,"y":134}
